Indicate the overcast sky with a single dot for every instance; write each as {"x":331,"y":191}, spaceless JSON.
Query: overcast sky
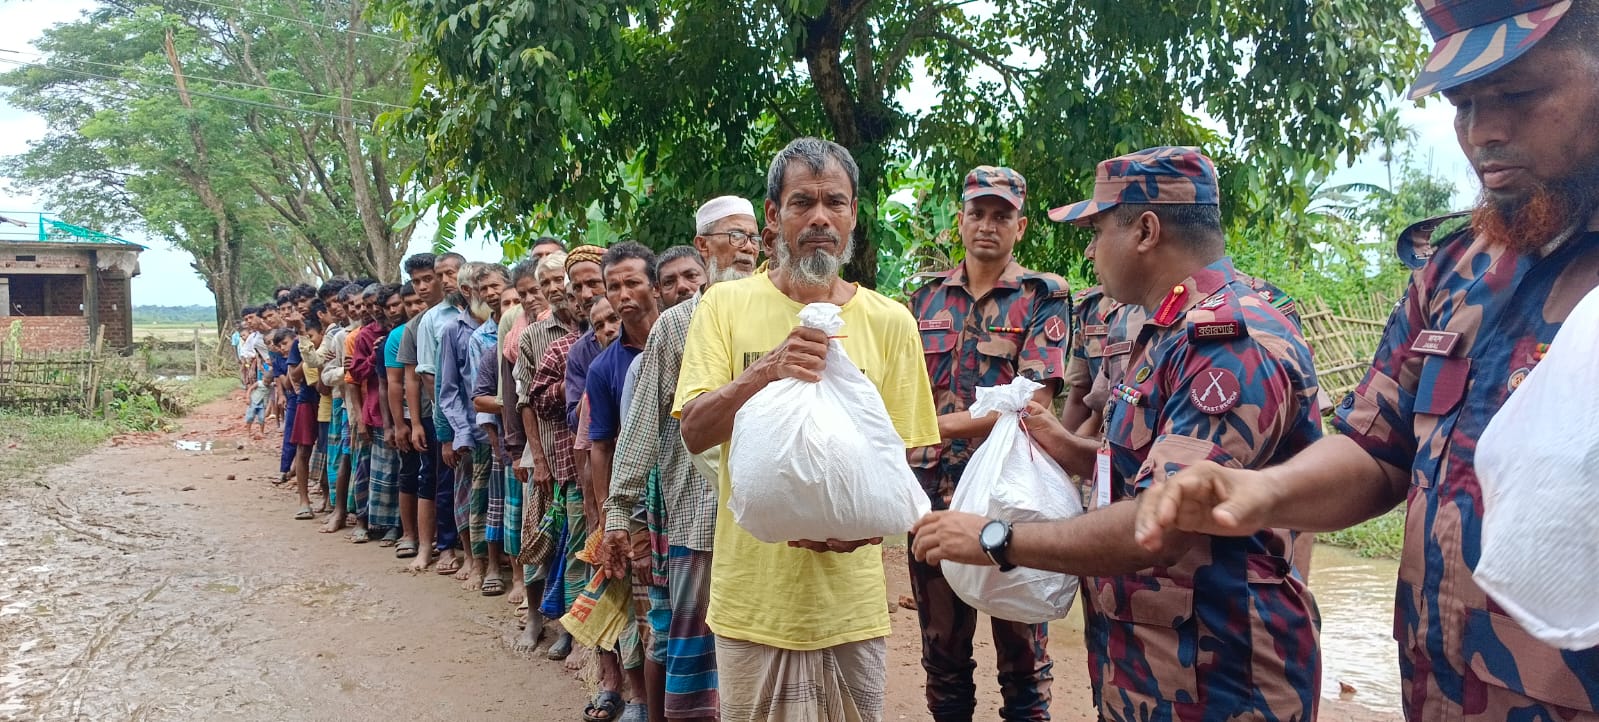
{"x":167,"y":279}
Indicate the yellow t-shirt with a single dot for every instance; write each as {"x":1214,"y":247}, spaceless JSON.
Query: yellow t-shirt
{"x":772,"y":594}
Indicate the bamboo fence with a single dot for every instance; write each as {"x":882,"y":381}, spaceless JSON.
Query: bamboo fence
{"x":1343,"y":339}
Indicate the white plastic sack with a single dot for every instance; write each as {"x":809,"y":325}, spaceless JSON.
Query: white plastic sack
{"x":1010,"y":478}
{"x":1538,"y":463}
{"x":819,"y":461}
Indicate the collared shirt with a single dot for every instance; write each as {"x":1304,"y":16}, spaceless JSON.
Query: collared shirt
{"x":1019,"y":328}
{"x":1466,"y":333}
{"x":578,"y":362}
{"x":364,"y":368}
{"x":652,"y":437}
{"x":513,"y":324}
{"x":391,"y":360}
{"x":1229,"y":630}
{"x":430,"y":333}
{"x":486,"y":382}
{"x":549,"y":407}
{"x":463,"y":343}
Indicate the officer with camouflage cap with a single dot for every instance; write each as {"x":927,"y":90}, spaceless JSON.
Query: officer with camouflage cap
{"x":1209,"y":627}
{"x":1483,"y":305}
{"x":983,"y":323}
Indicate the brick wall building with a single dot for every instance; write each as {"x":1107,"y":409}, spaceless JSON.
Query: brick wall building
{"x":61,"y":287}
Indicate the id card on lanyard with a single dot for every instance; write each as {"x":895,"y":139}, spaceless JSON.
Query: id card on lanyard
{"x":1102,"y":479}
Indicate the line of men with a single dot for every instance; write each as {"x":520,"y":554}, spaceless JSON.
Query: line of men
{"x":603,"y":428}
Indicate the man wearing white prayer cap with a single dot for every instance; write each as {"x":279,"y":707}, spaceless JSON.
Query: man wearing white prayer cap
{"x":726,"y":235}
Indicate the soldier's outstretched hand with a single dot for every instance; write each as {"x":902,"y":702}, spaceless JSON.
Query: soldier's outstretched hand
{"x":1205,"y":498}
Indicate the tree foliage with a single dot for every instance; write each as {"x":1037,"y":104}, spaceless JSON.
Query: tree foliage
{"x":240,"y":134}
{"x":554,"y":115}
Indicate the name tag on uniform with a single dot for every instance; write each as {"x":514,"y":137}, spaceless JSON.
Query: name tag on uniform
{"x":936,"y":325}
{"x":1436,"y":343}
{"x":1102,"y":479}
{"x":1117,"y":349}
{"x":1092,"y":330}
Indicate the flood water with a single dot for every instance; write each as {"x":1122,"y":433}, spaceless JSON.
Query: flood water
{"x":1356,"y":597}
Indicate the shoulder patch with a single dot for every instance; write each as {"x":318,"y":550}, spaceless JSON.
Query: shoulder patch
{"x":1054,"y":285}
{"x":1087,"y":293}
{"x":1417,"y":243}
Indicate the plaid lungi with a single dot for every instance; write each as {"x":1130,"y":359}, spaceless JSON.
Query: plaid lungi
{"x":512,"y":522}
{"x":383,"y":508}
{"x":360,"y":477}
{"x":338,"y":448}
{"x":495,"y":483}
{"x":837,"y":684}
{"x":477,"y":498}
{"x":319,"y":459}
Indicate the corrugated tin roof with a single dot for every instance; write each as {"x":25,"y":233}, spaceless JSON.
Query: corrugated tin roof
{"x":39,"y":228}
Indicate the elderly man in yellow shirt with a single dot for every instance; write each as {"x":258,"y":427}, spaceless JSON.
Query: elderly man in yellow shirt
{"x":800,"y":627}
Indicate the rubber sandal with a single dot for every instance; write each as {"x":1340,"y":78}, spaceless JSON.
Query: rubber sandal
{"x":561,"y":648}
{"x":390,"y":538}
{"x":493,"y":586}
{"x":359,"y":536}
{"x":406,"y":549}
{"x":603,"y":707}
{"x":636,"y":712}
{"x":304,"y":514}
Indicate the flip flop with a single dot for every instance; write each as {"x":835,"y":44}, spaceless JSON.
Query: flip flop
{"x":603,"y":707}
{"x":406,"y":549}
{"x":359,"y":536}
{"x":493,"y":586}
{"x":636,"y":712}
{"x":448,"y":568}
{"x":304,"y":514}
{"x":390,"y":538}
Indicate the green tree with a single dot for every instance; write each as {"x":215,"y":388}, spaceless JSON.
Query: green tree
{"x":545,"y":113}
{"x":239,"y":134}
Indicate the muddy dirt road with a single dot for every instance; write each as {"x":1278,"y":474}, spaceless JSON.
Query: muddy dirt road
{"x":142,"y":583}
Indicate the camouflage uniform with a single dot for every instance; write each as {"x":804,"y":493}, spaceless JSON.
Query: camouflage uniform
{"x":1020,"y":327}
{"x":1215,"y":373}
{"x":1468,"y":330}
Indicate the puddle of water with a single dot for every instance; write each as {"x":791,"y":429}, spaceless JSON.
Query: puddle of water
{"x":192,"y":445}
{"x":1356,"y":598}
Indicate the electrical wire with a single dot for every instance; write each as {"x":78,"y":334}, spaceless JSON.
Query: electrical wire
{"x":199,"y":93}
{"x":307,"y":23}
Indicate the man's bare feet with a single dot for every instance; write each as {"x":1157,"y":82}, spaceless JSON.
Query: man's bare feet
{"x":578,"y":659}
{"x":466,"y":571}
{"x":528,"y":640}
{"x":517,"y":595}
{"x":335,"y":523}
{"x":474,"y":576}
{"x":424,"y":557}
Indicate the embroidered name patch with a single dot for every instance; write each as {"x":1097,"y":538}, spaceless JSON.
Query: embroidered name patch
{"x":936,"y":325}
{"x":1436,"y":343}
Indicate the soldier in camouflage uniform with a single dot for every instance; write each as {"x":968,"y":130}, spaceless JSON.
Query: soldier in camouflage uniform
{"x":1210,"y":628}
{"x":1481,"y":307}
{"x":983,"y":323}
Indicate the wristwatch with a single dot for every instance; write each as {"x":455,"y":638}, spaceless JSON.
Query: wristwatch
{"x":995,"y":540}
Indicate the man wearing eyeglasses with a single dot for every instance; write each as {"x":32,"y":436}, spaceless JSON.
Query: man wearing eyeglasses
{"x":652,"y":439}
{"x":983,"y":323}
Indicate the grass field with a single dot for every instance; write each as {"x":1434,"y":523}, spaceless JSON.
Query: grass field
{"x":173,"y":331}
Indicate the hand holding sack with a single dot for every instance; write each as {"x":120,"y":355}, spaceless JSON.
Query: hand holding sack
{"x":1011,"y":479}
{"x":819,"y":461}
{"x":1538,"y":463}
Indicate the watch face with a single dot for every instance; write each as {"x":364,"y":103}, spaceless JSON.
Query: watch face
{"x":993,"y":535}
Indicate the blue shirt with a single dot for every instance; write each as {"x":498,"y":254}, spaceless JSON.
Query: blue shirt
{"x":606,"y":377}
{"x":391,"y":347}
{"x":578,"y":361}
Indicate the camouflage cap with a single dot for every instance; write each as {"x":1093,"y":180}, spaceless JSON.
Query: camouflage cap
{"x":1166,"y":175}
{"x":987,"y":180}
{"x":1476,"y":37}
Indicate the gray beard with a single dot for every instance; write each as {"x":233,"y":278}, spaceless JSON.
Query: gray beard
{"x":718,"y":274}
{"x":817,"y":270}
